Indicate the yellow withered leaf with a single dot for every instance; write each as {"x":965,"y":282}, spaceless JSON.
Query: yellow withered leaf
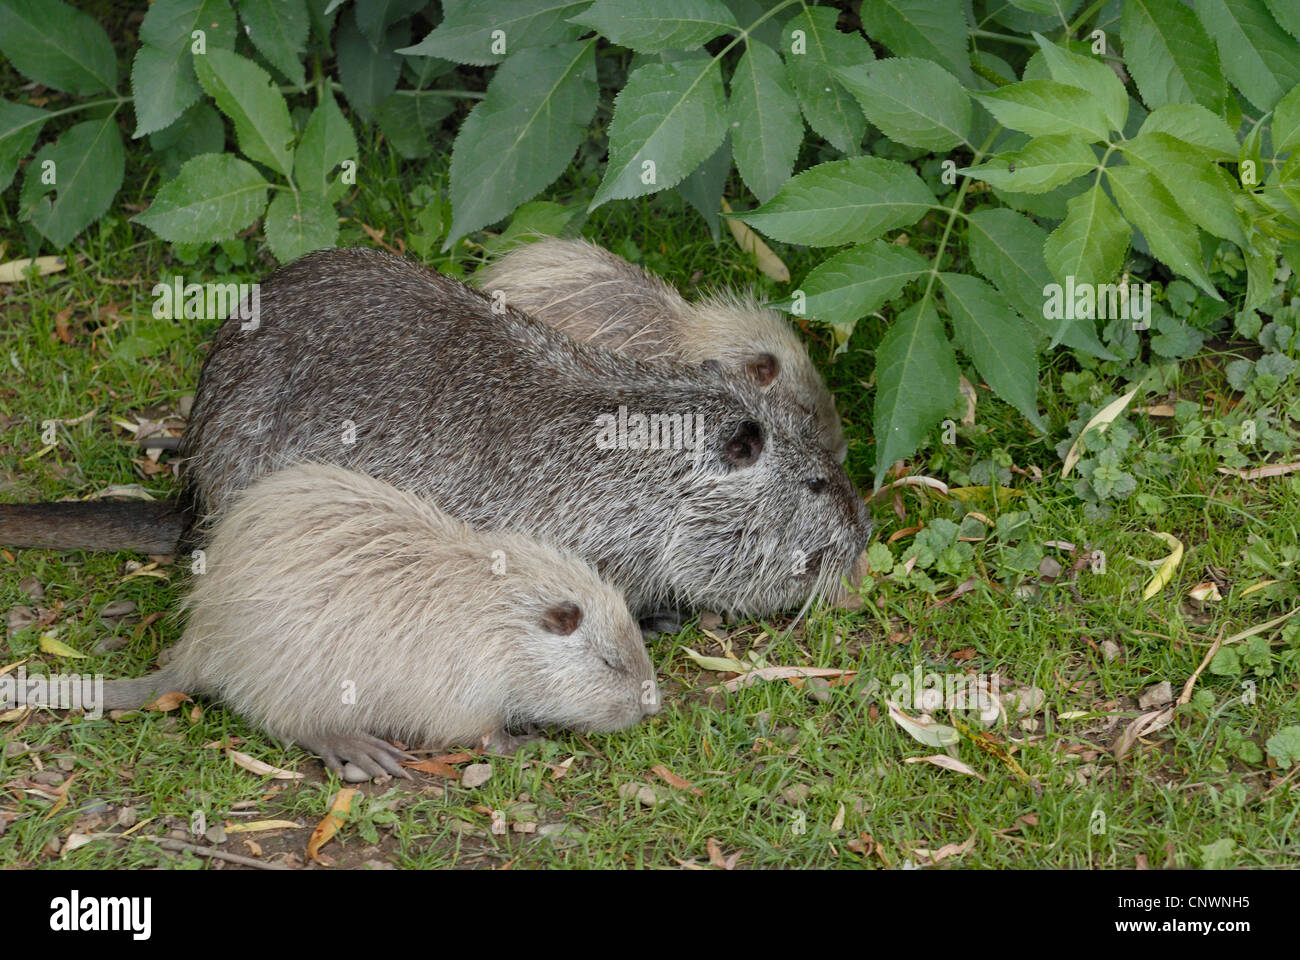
{"x":1100,"y":421}
{"x":1167,"y":566}
{"x":52,"y":644}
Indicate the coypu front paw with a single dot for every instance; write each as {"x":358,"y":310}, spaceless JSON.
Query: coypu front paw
{"x":371,"y":755}
{"x":661,"y":621}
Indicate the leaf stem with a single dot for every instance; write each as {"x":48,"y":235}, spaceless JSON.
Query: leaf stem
{"x":1084,"y":17}
{"x":954,"y":211}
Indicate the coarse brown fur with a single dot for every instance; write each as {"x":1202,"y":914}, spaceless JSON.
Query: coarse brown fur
{"x":336,"y":610}
{"x":596,"y":296}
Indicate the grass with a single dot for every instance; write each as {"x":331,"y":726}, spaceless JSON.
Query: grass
{"x":779,"y":777}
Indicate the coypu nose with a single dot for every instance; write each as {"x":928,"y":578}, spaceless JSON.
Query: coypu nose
{"x":816,"y":484}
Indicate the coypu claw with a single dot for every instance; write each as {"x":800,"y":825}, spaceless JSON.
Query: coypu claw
{"x":376,"y":757}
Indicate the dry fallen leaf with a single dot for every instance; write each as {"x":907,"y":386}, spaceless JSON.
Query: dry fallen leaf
{"x":16,"y":270}
{"x":1258,"y":473}
{"x":328,"y":826}
{"x":670,"y":778}
{"x":948,"y":763}
{"x":768,"y":263}
{"x":1207,"y":592}
{"x":61,"y":796}
{"x":718,"y":664}
{"x":257,"y":826}
{"x":1100,"y":421}
{"x":779,"y":673}
{"x":253,"y":765}
{"x":435,"y":766}
{"x":912,"y":481}
{"x":931,"y":734}
{"x":166,"y":702}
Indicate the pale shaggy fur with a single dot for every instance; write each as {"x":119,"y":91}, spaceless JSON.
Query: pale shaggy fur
{"x":320,"y":577}
{"x":376,"y":363}
{"x":596,"y":296}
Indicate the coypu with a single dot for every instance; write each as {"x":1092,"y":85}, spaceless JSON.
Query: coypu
{"x":336,"y":609}
{"x":368,"y":360}
{"x":596,"y":296}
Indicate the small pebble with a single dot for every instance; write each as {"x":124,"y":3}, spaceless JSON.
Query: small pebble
{"x":639,"y":792}
{"x":32,"y":587}
{"x":1156,"y":695}
{"x":1110,"y":651}
{"x":475,"y":775}
{"x":819,"y":688}
{"x":118,"y":608}
{"x":797,"y":794}
{"x":215,"y":834}
{"x":15,"y":748}
{"x":50,"y":778}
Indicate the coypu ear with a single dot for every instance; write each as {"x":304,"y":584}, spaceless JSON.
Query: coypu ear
{"x":563,"y":618}
{"x":763,"y":368}
{"x":745,"y":445}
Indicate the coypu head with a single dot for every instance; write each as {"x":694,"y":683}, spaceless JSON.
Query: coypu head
{"x":754,"y":342}
{"x":581,"y":663}
{"x":598,"y":297}
{"x":766,"y":519}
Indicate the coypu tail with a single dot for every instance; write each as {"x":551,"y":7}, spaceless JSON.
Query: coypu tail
{"x":149,"y":526}
{"x":133,"y":694}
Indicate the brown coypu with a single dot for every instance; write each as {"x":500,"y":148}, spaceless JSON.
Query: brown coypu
{"x":376,"y":363}
{"x":336,"y":610}
{"x":596,"y":296}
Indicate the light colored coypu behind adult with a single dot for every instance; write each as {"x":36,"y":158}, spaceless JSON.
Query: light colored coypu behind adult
{"x":596,"y":296}
{"x":376,"y":363}
{"x":336,"y":610}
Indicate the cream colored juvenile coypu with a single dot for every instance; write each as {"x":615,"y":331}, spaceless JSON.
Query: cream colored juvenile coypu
{"x":336,"y":610}
{"x":598,"y":297}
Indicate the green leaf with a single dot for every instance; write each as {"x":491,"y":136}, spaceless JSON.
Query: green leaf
{"x":844,"y":201}
{"x":523,"y":134}
{"x":1287,"y":14}
{"x":1192,"y":123}
{"x":1044,"y":107}
{"x":199,"y":129}
{"x":163,"y":83}
{"x":1194,"y":180}
{"x":1260,"y":59}
{"x":1042,"y":164}
{"x":663,"y":25}
{"x":1170,"y":56}
{"x":703,"y":188}
{"x":57,"y":45}
{"x":916,"y":383}
{"x":1008,"y":249}
{"x":466,"y":32}
{"x":926,"y":29}
{"x":369,"y":74}
{"x":916,"y":102}
{"x":1172,"y":237}
{"x":1091,"y":241}
{"x":374,"y":17}
{"x":162,"y":89}
{"x":1286,"y":123}
{"x":1087,"y":74}
{"x":88,"y":167}
{"x":857,"y":282}
{"x":812,"y":46}
{"x":1284,"y":746}
{"x":300,"y":223}
{"x":278,"y":29}
{"x":409,"y":119}
{"x":671,"y":115}
{"x":327,"y":141}
{"x":214,"y":197}
{"x":19,"y":127}
{"x":245,"y":93}
{"x":994,"y":336}
{"x":1261,"y":265}
{"x":765,"y":126}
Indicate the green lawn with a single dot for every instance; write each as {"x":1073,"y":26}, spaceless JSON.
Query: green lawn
{"x":779,"y":775}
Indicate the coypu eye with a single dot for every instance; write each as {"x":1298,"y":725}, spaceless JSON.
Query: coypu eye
{"x":745,"y":445}
{"x":817,"y":484}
